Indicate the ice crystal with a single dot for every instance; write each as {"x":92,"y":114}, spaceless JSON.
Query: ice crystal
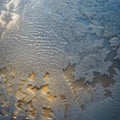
{"x":59,"y":59}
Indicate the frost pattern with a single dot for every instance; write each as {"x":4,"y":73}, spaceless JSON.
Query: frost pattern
{"x":59,"y":60}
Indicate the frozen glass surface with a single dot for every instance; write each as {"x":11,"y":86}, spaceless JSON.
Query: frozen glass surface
{"x":59,"y":59}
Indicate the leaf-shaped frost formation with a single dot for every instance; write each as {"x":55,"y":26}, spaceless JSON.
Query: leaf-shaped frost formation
{"x":59,"y":59}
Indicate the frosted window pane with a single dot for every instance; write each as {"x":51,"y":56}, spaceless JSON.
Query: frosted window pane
{"x":59,"y":59}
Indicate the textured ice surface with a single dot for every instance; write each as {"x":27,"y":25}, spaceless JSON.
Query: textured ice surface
{"x":60,"y":59}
